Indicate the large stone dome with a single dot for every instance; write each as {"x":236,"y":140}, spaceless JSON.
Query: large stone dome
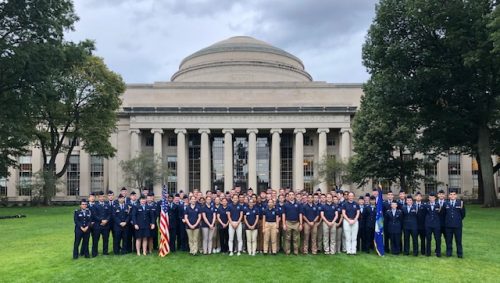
{"x":241,"y":59}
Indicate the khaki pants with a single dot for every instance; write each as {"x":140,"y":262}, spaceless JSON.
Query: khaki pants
{"x":292,"y":231}
{"x":329,"y":238}
{"x":319,"y":238}
{"x":208,"y":235}
{"x":238,"y":237}
{"x":216,"y":238}
{"x":310,"y":234}
{"x":193,"y":236}
{"x":271,"y":233}
{"x":251,"y":241}
{"x":260,"y":236}
{"x":339,"y":239}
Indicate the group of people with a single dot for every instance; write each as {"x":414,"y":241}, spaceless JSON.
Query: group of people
{"x":235,"y":222}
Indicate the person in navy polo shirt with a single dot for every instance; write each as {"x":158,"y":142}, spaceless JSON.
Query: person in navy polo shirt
{"x":329,"y":215}
{"x":192,"y":218}
{"x":310,"y":219}
{"x":292,"y":223}
{"x":351,"y":215}
{"x":224,"y":225}
{"x":235,"y":215}
{"x":251,"y":218}
{"x":271,"y":218}
{"x":208,"y":225}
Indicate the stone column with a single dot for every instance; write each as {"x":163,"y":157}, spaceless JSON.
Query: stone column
{"x":275,"y":159}
{"x":135,"y":143}
{"x":228,"y":159}
{"x":157,"y":151}
{"x":84,"y":186}
{"x":252,"y":158}
{"x":205,"y":160}
{"x":322,"y":155}
{"x":298,"y":178}
{"x":181,"y":159}
{"x":345,"y":145}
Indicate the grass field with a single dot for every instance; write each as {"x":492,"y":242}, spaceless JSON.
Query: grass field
{"x":39,"y":248}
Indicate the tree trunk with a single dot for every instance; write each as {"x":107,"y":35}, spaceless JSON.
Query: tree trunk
{"x":49,"y":184}
{"x":486,"y":165}
{"x":480,"y":189}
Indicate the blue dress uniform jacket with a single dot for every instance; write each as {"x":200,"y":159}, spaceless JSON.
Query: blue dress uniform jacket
{"x":82,"y":219}
{"x":143,"y":217}
{"x":432,"y":227}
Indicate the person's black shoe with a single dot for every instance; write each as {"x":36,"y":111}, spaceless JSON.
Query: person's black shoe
{"x":460,"y":256}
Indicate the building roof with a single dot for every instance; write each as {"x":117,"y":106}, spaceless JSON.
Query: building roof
{"x":241,"y":58}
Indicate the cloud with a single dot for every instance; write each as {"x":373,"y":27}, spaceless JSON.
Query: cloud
{"x":145,"y":40}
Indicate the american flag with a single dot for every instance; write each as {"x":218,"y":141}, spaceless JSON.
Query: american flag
{"x":165,"y":236}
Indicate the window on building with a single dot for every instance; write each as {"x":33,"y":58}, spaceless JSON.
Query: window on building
{"x":475,"y":172}
{"x":286,"y":161}
{"x":172,"y":174}
{"x":430,"y":170}
{"x":3,"y":185}
{"x":263,"y":160}
{"x":308,"y":140}
{"x":308,"y":173}
{"x":330,"y":141}
{"x":194,"y":163}
{"x":75,"y":142}
{"x":150,"y":141}
{"x":454,"y":171}
{"x":96,"y":173}
{"x":172,"y":141}
{"x":240,"y":162}
{"x":73,"y":176}
{"x":218,"y":163}
{"x":25,"y":175}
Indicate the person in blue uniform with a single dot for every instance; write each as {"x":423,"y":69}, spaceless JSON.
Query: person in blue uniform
{"x":362,"y":224}
{"x":132,"y":204}
{"x":102,"y":216}
{"x":387,"y":206}
{"x":82,"y":218}
{"x":91,"y":205}
{"x":442,"y":201}
{"x":235,"y":216}
{"x":410,"y":227}
{"x":208,"y":222}
{"x":111,"y":203}
{"x":329,"y":215}
{"x":121,"y":222}
{"x":370,"y":215}
{"x":350,"y":212}
{"x":155,"y":210}
{"x":454,"y":215}
{"x":419,"y":205}
{"x":183,"y":238}
{"x":394,"y":219}
{"x":270,"y":218}
{"x":432,"y":225}
{"x":173,"y":228}
{"x":143,"y":221}
{"x":223,"y":221}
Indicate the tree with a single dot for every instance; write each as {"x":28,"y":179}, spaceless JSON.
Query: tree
{"x":31,"y":32}
{"x":441,"y":55}
{"x":332,"y":171}
{"x":385,"y":137}
{"x":76,"y":104}
{"x":145,"y":169}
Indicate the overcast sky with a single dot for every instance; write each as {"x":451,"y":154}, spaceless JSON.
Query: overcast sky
{"x":145,"y":40}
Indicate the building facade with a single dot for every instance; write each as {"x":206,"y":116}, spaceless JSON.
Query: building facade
{"x":237,"y":113}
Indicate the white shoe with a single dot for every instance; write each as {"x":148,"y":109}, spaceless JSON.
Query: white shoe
{"x":231,"y":254}
{"x":239,"y":253}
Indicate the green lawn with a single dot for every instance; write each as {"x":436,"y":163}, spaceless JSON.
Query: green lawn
{"x":39,"y":248}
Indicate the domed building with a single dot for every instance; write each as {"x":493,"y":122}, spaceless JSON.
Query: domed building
{"x":240,"y":112}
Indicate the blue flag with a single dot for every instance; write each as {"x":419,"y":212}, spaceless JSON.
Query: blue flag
{"x":379,"y":226}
